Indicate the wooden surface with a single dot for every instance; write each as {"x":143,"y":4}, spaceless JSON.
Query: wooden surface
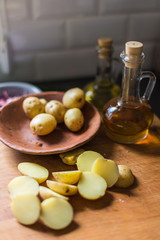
{"x":132,"y":214}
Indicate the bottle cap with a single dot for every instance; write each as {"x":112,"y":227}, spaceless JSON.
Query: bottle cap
{"x":105,"y":42}
{"x":133,"y":50}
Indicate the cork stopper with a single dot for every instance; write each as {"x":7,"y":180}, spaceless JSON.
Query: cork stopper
{"x":105,"y":47}
{"x":134,"y":49}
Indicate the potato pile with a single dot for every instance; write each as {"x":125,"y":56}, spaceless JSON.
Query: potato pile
{"x":46,"y":115}
{"x":31,"y":201}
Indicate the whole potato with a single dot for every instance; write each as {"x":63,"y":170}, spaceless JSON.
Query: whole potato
{"x":126,"y":178}
{"x":57,"y":109}
{"x":32,"y":106}
{"x":43,"y":101}
{"x":74,"y":119}
{"x":74,"y":98}
{"x":43,"y":124}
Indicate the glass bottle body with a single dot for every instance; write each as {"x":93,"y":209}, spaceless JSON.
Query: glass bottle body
{"x":103,"y":88}
{"x":127,"y":118}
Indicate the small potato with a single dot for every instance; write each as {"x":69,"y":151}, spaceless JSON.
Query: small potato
{"x":62,"y":188}
{"x":43,"y":101}
{"x":33,"y":170}
{"x":26,"y":208}
{"x":74,"y":119}
{"x":69,"y":177}
{"x":86,"y":160}
{"x":45,"y":193}
{"x":126,"y":178}
{"x":70,"y":158}
{"x":56,"y":109}
{"x":32,"y":106}
{"x":91,"y":186}
{"x":107,"y":169}
{"x":23,"y":185}
{"x":56,"y":213}
{"x":74,"y":98}
{"x":43,"y":124}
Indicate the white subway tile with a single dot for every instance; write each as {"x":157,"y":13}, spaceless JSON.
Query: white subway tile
{"x":18,"y":10}
{"x":85,"y":32}
{"x":64,"y":8}
{"x":144,"y":27}
{"x":126,"y":6}
{"x":65,"y":65}
{"x":38,"y":35}
{"x":23,"y":69}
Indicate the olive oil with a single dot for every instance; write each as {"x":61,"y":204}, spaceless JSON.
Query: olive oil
{"x":103,"y":88}
{"x":127,"y":118}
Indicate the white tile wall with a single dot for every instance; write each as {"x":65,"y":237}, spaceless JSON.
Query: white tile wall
{"x":64,"y":8}
{"x":56,"y":39}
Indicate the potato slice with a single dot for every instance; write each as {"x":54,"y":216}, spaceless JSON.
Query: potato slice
{"x":33,"y":170}
{"x":70,"y":158}
{"x":86,"y":159}
{"x":69,"y":177}
{"x":126,"y":178}
{"x":23,"y":185}
{"x":26,"y":208}
{"x":92,"y":186}
{"x":62,"y":188}
{"x":45,"y":193}
{"x":56,"y":213}
{"x":107,"y":169}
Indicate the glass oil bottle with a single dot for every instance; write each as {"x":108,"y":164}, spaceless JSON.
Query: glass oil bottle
{"x":103,"y":88}
{"x":127,"y":118}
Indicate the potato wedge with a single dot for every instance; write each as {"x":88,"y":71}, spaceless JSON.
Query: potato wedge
{"x":45,"y":193}
{"x":33,"y":170}
{"x":23,"y":185}
{"x":86,"y":159}
{"x":62,"y":188}
{"x":107,"y":169}
{"x":56,"y":213}
{"x":70,"y":158}
{"x":126,"y":178}
{"x":91,"y":186}
{"x":26,"y":208}
{"x":69,"y":177}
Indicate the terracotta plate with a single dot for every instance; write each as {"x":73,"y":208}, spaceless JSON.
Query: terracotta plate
{"x":15,"y":130}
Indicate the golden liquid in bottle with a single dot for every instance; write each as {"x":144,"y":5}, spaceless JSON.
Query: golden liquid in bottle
{"x":127,"y":122}
{"x":98,"y":93}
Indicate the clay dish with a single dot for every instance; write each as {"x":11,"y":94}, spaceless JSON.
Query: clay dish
{"x":15,"y":131}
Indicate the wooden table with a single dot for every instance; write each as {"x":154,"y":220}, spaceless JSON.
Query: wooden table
{"x":132,"y":214}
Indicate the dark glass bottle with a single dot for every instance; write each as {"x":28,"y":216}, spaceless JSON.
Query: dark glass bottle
{"x":127,"y":118}
{"x":103,"y":87}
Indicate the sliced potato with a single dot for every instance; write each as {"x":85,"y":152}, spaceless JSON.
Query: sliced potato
{"x":107,"y":169}
{"x":33,"y":170}
{"x":91,"y":186}
{"x":56,"y":213}
{"x":86,"y":159}
{"x":45,"y":193}
{"x":70,"y":177}
{"x":26,"y":208}
{"x":62,"y":188}
{"x":126,"y":178}
{"x":23,"y":185}
{"x":70,"y":158}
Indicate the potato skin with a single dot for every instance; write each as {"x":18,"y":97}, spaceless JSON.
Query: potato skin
{"x":56,"y":109}
{"x":32,"y":106}
{"x":126,"y":178}
{"x":74,"y":98}
{"x":43,"y":124}
{"x":74,"y":119}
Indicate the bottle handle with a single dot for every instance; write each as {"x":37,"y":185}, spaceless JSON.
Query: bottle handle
{"x":150,"y":86}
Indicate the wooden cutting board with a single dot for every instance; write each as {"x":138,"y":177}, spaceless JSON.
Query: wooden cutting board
{"x":132,"y":214}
